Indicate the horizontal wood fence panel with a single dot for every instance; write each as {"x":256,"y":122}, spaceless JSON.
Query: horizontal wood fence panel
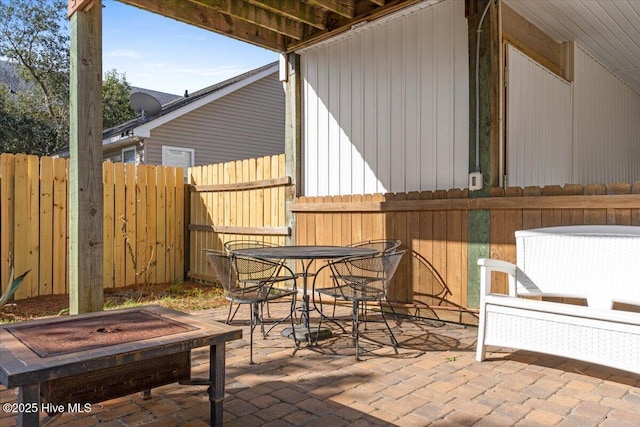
{"x":34,"y":229}
{"x":240,"y":200}
{"x":433,"y":226}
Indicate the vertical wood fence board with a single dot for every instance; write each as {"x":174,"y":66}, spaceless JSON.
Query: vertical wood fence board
{"x":251,"y":204}
{"x":595,"y":216}
{"x":7,"y":182}
{"x":180,"y":220}
{"x":278,"y":209}
{"x":46,"y":227}
{"x":170,"y":182}
{"x":33,"y":166}
{"x":150,"y":172}
{"x":21,"y":225}
{"x":266,"y":195}
{"x":427,"y":281}
{"x":60,"y":228}
{"x":142,"y":250}
{"x":397,"y":229}
{"x":130,"y":223}
{"x":161,"y":229}
{"x":412,"y":243}
{"x":108,"y":234}
{"x":119,"y":213}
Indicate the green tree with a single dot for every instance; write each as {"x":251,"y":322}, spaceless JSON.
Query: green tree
{"x":115,"y":97}
{"x":34,"y":118}
{"x":34,"y":39}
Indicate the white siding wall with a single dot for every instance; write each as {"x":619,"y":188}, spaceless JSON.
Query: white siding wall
{"x":539,"y":124}
{"x":386,"y":107}
{"x":606,"y":125}
{"x":244,"y":124}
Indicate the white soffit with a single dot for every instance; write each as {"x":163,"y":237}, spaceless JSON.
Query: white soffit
{"x":608,"y":29}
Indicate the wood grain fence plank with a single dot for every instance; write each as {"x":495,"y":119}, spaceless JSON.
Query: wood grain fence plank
{"x":60,"y":228}
{"x":170,"y":266}
{"x":425,"y":287}
{"x":21,"y":225}
{"x":7,"y":200}
{"x":150,"y":172}
{"x":412,"y":243}
{"x":161,"y":225}
{"x":130,"y":223}
{"x":119,"y":214}
{"x":180,"y":225}
{"x":46,"y":227}
{"x":143,"y":251}
{"x":595,"y":216}
{"x":33,"y":165}
{"x":108,"y":232}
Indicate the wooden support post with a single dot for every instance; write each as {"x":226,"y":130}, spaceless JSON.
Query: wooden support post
{"x":487,"y":91}
{"x":85,"y":166}
{"x":290,"y":64}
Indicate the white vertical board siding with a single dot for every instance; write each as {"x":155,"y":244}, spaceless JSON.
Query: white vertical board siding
{"x":606,"y":123}
{"x":539,"y":124}
{"x":386,"y":107}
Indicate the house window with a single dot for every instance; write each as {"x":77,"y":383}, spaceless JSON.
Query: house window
{"x":129,"y":155}
{"x":179,"y":157}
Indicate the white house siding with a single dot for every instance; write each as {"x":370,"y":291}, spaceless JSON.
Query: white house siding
{"x":606,"y":125}
{"x":247,"y":123}
{"x":386,"y":107}
{"x":539,"y":124}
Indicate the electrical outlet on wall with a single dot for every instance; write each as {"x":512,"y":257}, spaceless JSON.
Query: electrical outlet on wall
{"x":475,"y":181}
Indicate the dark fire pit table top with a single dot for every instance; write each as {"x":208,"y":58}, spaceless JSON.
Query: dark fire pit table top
{"x":43,"y":350}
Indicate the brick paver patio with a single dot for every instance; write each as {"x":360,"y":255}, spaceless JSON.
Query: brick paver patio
{"x":433,"y":381}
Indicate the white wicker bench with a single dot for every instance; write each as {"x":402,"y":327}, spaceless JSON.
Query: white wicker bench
{"x":598,"y":263}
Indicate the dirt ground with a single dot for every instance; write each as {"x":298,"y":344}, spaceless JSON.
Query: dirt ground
{"x":184,"y":296}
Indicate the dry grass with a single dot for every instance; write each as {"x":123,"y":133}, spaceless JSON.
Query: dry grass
{"x":183,"y":296}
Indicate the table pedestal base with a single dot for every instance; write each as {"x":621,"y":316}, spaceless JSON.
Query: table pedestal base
{"x":311,"y":334}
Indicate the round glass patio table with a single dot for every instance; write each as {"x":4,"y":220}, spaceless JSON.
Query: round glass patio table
{"x":306,"y":254}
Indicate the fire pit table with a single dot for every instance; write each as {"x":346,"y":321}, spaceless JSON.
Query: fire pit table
{"x":65,"y":363}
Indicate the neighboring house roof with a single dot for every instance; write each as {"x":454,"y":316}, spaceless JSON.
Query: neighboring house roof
{"x":162,"y":97}
{"x":141,"y":127}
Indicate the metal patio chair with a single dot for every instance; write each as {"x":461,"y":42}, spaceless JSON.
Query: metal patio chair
{"x":381,"y":245}
{"x":233,"y":245}
{"x":251,"y":281}
{"x":362,"y":280}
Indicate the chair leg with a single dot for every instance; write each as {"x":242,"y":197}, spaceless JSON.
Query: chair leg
{"x":231,"y":316}
{"x":393,"y":337}
{"x":254,"y":322}
{"x":355,"y":328}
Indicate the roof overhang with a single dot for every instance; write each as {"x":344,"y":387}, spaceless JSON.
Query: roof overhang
{"x":279,"y":25}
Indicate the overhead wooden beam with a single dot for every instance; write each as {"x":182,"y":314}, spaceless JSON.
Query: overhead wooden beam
{"x":378,"y":2}
{"x":296,"y":10}
{"x":256,"y":15}
{"x":85,"y":165}
{"x":345,"y":8}
{"x":368,"y":14}
{"x":208,"y":19}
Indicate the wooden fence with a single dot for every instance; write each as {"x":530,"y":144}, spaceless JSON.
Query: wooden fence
{"x":147,"y":200}
{"x":436,"y":227}
{"x":244,"y":199}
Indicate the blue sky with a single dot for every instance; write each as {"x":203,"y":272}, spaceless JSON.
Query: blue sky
{"x":170,"y":56}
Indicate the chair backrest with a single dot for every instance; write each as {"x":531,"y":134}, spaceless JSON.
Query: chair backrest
{"x":374,"y":270}
{"x":233,"y":245}
{"x":596,"y":262}
{"x":381,"y":245}
{"x":236,"y":272}
{"x":223,"y":267}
